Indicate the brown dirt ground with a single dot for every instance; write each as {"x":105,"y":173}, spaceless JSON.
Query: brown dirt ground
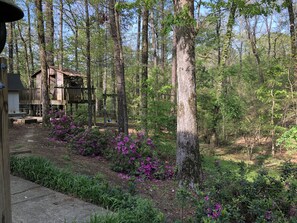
{"x":35,"y":138}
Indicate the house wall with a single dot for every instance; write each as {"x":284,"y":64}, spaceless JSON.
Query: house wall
{"x":60,"y":83}
{"x":13,"y":102}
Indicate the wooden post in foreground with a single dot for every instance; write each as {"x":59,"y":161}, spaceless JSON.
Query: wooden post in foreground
{"x":5,"y":200}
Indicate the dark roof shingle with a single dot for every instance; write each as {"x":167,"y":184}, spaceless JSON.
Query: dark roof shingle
{"x":14,"y":82}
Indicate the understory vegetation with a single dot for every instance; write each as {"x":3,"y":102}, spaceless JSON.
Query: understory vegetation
{"x":231,"y":192}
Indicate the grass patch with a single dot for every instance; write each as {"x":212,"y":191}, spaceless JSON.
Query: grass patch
{"x":128,"y":208}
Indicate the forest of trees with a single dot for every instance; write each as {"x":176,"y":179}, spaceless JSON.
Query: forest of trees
{"x":219,"y":69}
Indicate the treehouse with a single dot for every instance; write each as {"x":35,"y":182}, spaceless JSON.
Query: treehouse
{"x":66,"y":87}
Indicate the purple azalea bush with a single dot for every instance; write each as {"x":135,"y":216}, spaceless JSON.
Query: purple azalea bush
{"x":63,"y":126}
{"x":138,"y":157}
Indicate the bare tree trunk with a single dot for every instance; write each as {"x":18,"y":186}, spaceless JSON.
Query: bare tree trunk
{"x":144,"y":64}
{"x":10,"y":47}
{"x":42,"y":54}
{"x":188,"y":159}
{"x":29,"y":34}
{"x":26,"y":54}
{"x":88,"y":56}
{"x":16,"y":48}
{"x":61,"y":41}
{"x":120,"y":69}
{"x":138,"y":53}
{"x":49,"y":34}
{"x":253,"y":40}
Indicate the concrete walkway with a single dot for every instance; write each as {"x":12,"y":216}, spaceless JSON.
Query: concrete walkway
{"x":32,"y":203}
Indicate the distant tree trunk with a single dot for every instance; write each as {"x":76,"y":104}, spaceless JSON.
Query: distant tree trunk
{"x":42,"y":54}
{"x":154,"y":41}
{"x":188,"y":159}
{"x":137,"y":79}
{"x":163,"y":39}
{"x":16,"y":48}
{"x":120,"y":69}
{"x":61,"y":42}
{"x":268,"y":29}
{"x":88,"y":56}
{"x":49,"y":34}
{"x":75,"y":32}
{"x":29,"y":34}
{"x":144,"y":66}
{"x":26,"y":54}
{"x":10,"y":47}
{"x":251,"y":31}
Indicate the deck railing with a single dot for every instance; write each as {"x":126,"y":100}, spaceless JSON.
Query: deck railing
{"x":67,"y":94}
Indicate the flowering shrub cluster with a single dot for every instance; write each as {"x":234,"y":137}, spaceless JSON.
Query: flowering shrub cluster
{"x":138,"y":157}
{"x":132,"y":156}
{"x":63,"y":126}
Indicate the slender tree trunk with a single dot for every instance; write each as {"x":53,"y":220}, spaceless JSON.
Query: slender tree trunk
{"x":29,"y":34}
{"x":138,"y":53}
{"x":49,"y":34}
{"x":61,"y":41}
{"x":188,"y":159}
{"x":144,"y":71}
{"x":10,"y":47}
{"x":26,"y":54}
{"x":268,"y":28}
{"x":16,"y":47}
{"x":120,"y":70}
{"x":163,"y":39}
{"x":88,"y":56}
{"x":253,"y":40}
{"x":42,"y":54}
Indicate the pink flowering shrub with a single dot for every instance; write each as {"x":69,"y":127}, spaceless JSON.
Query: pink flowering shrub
{"x":138,"y":157}
{"x":63,"y":126}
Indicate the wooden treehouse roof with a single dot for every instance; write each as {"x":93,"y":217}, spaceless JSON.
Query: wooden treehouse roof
{"x":65,"y":71}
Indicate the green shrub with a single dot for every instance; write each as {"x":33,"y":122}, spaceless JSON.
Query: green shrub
{"x":230,"y":197}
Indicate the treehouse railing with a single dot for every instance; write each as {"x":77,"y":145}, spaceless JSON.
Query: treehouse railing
{"x":66,"y":94}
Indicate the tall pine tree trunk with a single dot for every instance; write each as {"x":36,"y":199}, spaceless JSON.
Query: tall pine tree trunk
{"x":42,"y":55}
{"x":188,"y":159}
{"x":120,"y":69}
{"x":88,"y":55}
{"x":10,"y":47}
{"x":144,"y":66}
{"x":49,"y":34}
{"x":29,"y":34}
{"x":61,"y":41}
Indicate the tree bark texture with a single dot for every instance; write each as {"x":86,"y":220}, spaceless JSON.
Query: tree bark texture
{"x":187,"y":156}
{"x":144,"y":66}
{"x":10,"y":47}
{"x":49,"y":34}
{"x":42,"y":55}
{"x":119,"y":65}
{"x":88,"y":57}
{"x":61,"y":41}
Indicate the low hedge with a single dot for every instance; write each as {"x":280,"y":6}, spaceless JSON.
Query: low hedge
{"x":128,"y":208}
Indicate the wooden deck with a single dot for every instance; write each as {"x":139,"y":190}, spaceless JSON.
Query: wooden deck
{"x":58,"y":96}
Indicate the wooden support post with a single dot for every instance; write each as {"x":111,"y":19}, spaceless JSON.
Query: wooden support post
{"x":5,"y":200}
